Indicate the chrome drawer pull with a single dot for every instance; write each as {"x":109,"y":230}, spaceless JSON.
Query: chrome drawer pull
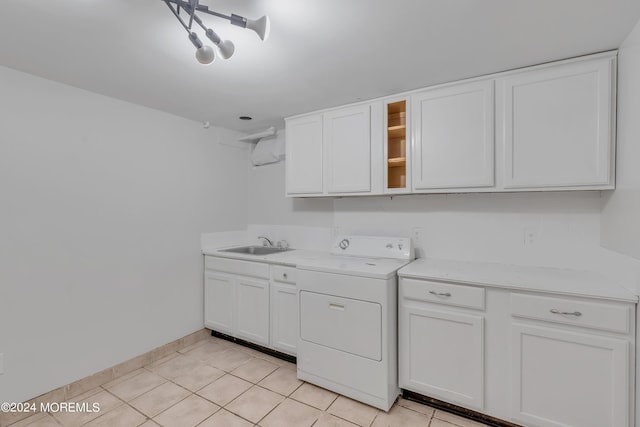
{"x":440,"y":294}
{"x":565,"y":313}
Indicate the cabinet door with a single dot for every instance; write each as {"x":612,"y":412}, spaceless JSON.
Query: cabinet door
{"x":557,"y":125}
{"x":564,"y":378}
{"x":252,"y":314}
{"x":442,"y":355}
{"x":304,"y":155}
{"x":218,"y":302}
{"x":284,"y":317}
{"x":453,"y":134}
{"x":347,"y":140}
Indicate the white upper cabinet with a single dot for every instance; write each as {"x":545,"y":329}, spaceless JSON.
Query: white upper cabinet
{"x":557,"y":125}
{"x":453,"y":137}
{"x":347,"y":144}
{"x":304,"y":155}
{"x":541,"y":128}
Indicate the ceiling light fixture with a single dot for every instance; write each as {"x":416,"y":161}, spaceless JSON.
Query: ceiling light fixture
{"x":205,"y":54}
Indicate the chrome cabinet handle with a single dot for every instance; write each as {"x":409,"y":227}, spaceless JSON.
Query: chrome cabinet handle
{"x":440,"y":294}
{"x":334,"y":306}
{"x":566,"y":313}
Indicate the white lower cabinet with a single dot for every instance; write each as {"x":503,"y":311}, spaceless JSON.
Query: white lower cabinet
{"x":284,"y":310}
{"x":219,"y":290}
{"x":236,"y":298}
{"x":570,"y":361}
{"x":444,"y":355}
{"x":252,"y":305}
{"x":567,"y":378}
{"x":535,"y":359}
{"x":252,"y":301}
{"x":441,"y":347}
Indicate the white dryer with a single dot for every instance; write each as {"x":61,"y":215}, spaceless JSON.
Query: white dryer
{"x":348,"y":318}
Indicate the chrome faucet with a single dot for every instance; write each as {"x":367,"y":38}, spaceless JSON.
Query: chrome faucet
{"x":266,"y":242}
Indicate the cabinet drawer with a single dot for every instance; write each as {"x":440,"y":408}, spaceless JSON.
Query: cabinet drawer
{"x":283,"y":274}
{"x":243,"y":268}
{"x":442,"y":293}
{"x":587,"y":314}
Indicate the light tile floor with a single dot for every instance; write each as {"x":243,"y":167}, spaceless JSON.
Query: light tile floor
{"x":216,"y":383}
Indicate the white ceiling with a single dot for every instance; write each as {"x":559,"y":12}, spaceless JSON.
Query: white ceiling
{"x":321,"y":53}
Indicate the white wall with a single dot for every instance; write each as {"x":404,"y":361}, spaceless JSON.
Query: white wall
{"x":268,"y":204}
{"x":493,"y":228}
{"x":481,"y":227}
{"x":102,"y":204}
{"x":471,"y":227}
{"x":621,"y":209}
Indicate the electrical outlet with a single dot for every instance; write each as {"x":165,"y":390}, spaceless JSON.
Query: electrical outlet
{"x":1,"y":363}
{"x":530,"y":236}
{"x":416,"y":235}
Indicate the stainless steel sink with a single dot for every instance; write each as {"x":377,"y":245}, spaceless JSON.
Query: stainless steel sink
{"x":255,"y":250}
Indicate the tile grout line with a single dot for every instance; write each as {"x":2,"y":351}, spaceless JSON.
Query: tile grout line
{"x":113,"y":409}
{"x":344,"y":419}
{"x":267,"y":414}
{"x":302,"y":403}
{"x":257,"y":385}
{"x":178,"y":402}
{"x":374,"y":419}
{"x":55,"y":420}
{"x":418,"y":412}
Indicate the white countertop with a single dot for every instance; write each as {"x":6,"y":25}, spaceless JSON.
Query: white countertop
{"x":291,"y":257}
{"x":524,"y":278}
{"x":381,"y":268}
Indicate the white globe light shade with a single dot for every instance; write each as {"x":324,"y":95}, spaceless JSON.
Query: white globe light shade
{"x":205,"y":55}
{"x":226,"y":49}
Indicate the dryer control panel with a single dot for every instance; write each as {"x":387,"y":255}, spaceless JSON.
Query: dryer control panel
{"x":373,"y":246}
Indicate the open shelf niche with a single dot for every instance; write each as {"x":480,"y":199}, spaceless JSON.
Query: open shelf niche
{"x":397,"y":144}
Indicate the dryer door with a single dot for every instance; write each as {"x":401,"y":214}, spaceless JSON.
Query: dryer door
{"x":344,"y":324}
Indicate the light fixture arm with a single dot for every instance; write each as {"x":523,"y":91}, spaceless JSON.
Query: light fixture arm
{"x":193,"y":4}
{"x":175,"y":13}
{"x":199,"y":8}
{"x":199,"y":22}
